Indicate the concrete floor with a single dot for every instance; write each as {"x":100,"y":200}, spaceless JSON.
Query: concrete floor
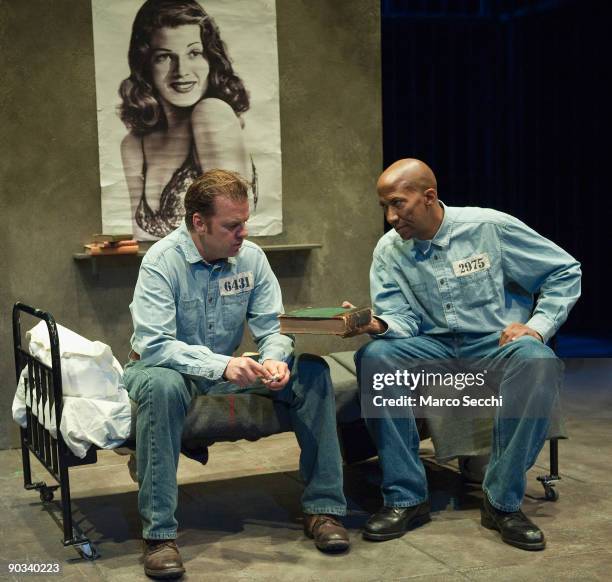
{"x":240,"y":520}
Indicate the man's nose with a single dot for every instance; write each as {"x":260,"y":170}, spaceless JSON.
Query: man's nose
{"x":391,"y":216}
{"x":243,"y":232}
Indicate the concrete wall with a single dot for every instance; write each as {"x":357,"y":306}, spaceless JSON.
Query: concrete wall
{"x":329,"y":56}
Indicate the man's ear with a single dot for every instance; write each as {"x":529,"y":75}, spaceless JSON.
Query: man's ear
{"x":431,"y":196}
{"x":199,"y":225}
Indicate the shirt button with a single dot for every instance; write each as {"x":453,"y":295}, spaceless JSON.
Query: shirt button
{"x":442,"y":281}
{"x":210,"y":326}
{"x":210,"y":299}
{"x":436,"y":257}
{"x":448,"y":306}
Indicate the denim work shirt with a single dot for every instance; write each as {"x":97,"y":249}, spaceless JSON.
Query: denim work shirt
{"x":477,"y":275}
{"x":189,"y":314}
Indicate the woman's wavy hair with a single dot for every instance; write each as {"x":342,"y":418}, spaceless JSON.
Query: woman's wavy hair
{"x":140,"y":110}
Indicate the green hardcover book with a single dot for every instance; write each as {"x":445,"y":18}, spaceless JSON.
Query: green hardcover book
{"x":325,"y":320}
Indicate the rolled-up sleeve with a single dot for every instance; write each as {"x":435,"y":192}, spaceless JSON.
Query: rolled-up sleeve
{"x":540,"y":266}
{"x":262,"y":317}
{"x":389,"y":302}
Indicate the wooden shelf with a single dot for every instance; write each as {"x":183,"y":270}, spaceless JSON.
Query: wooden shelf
{"x":268,"y":248}
{"x":88,"y":257}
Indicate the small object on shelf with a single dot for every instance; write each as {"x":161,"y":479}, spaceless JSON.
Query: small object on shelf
{"x":340,"y":321}
{"x":111,"y":238}
{"x":112,"y":244}
{"x":120,"y":247}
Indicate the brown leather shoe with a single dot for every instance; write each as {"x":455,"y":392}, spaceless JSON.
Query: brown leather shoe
{"x":328,"y":533}
{"x":162,"y":559}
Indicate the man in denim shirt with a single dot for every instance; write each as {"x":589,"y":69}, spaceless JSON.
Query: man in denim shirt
{"x":196,"y":287}
{"x":452,"y":283}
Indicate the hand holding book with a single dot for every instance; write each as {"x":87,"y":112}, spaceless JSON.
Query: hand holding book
{"x":374,"y":326}
{"x":345,"y":321}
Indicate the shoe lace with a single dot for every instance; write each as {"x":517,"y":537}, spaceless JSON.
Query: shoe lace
{"x":321,"y":520}
{"x":158,"y":545}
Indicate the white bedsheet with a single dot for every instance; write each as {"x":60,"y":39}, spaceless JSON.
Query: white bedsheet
{"x":96,"y":407}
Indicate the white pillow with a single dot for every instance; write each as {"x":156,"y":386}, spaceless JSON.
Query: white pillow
{"x":89,"y":369}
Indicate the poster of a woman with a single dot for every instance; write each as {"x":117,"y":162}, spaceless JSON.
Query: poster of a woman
{"x":184,"y":105}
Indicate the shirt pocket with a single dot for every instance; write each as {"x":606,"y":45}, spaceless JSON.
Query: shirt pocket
{"x":190,"y":312}
{"x":234,"y":309}
{"x":421,"y":294}
{"x":477,"y":289}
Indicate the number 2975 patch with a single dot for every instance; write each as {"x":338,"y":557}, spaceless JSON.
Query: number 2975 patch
{"x":471,"y":265}
{"x":238,"y":283}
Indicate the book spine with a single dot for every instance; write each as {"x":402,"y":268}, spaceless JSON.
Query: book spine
{"x":111,"y":238}
{"x":114,"y":245}
{"x":124,"y":243}
{"x":123,"y":250}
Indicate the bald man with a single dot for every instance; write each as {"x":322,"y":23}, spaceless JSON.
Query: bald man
{"x":451,"y":283}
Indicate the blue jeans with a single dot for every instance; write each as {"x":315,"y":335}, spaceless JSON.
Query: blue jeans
{"x":163,"y":397}
{"x":516,"y":441}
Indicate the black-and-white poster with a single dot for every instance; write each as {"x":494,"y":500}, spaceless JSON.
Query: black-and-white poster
{"x":184,"y":86}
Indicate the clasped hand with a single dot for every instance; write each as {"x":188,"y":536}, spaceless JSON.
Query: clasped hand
{"x":244,"y":372}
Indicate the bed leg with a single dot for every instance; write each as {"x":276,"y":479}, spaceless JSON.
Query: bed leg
{"x":27,"y":470}
{"x":25,"y":461}
{"x":548,"y":481}
{"x":65,"y":490}
{"x":87,"y":550}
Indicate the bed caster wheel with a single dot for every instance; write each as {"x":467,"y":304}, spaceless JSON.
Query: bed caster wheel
{"x":551,"y":493}
{"x":87,"y":551}
{"x":46,"y":495}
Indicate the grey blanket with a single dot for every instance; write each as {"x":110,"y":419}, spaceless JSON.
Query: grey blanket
{"x":217,"y":418}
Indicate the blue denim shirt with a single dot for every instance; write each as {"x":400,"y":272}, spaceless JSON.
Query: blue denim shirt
{"x":477,"y":275}
{"x":189,"y":314}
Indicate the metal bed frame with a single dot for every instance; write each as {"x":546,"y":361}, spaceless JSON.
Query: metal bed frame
{"x":44,"y":385}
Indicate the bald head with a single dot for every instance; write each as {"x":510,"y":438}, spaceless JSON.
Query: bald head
{"x":410,"y":175}
{"x":407,"y":191}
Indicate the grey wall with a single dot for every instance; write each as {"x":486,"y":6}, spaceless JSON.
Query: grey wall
{"x":329,"y":59}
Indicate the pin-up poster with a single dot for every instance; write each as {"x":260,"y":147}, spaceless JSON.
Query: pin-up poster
{"x":185,"y":86}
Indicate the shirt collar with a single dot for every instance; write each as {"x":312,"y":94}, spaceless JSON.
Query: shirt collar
{"x":442,"y":237}
{"x":191,"y":252}
{"x":192,"y":255}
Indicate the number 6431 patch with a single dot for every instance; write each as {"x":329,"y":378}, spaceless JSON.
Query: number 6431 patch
{"x":471,"y":265}
{"x":238,"y":283}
